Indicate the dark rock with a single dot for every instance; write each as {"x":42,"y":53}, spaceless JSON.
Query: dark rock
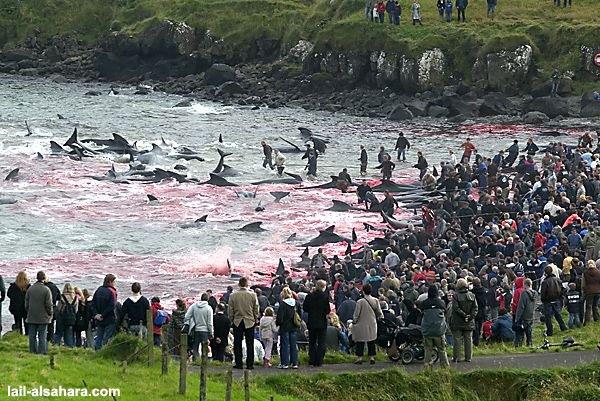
{"x":184,"y":103}
{"x":550,"y":106}
{"x":437,"y":111}
{"x":142,"y":90}
{"x":121,"y":44}
{"x":587,"y":98}
{"x":229,"y":88}
{"x":23,"y":64}
{"x":52,"y":54}
{"x":535,"y":117}
{"x":457,"y":119}
{"x":460,"y":107}
{"x":18,"y":55}
{"x":591,"y":110}
{"x":494,"y":104}
{"x":417,"y":107}
{"x":29,"y":72}
{"x":92,"y":93}
{"x":565,"y":88}
{"x":218,"y":74}
{"x":255,"y":108}
{"x":462,"y":88}
{"x":168,"y":38}
{"x":399,"y":113}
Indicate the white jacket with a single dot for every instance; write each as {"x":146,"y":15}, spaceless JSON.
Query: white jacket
{"x":267,"y":326}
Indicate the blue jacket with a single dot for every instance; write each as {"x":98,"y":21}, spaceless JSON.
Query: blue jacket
{"x":462,"y":3}
{"x":103,"y":303}
{"x":502,"y":329}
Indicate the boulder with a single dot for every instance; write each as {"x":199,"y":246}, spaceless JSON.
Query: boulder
{"x":399,"y":113}
{"x":505,"y":71}
{"x":142,"y":90}
{"x":52,"y":54}
{"x":18,"y":55}
{"x":494,"y":104}
{"x":460,"y":107}
{"x":167,"y":38}
{"x":300,"y":52}
{"x":417,"y":107}
{"x":437,"y":111}
{"x":565,"y":88}
{"x":550,"y":106}
{"x":387,"y":70}
{"x":218,"y":74}
{"x":92,"y":93}
{"x":590,"y":110}
{"x":431,"y":68}
{"x":229,"y":88}
{"x":121,"y":44}
{"x":535,"y":117}
{"x":184,"y":103}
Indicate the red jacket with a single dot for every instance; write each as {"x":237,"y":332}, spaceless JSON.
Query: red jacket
{"x":519,"y":289}
{"x":380,"y":7}
{"x":155,"y":307}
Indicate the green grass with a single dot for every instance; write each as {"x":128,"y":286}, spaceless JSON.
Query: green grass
{"x":555,"y":34}
{"x":74,"y":367}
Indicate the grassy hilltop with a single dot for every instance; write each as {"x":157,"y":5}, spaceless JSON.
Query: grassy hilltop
{"x":555,"y":34}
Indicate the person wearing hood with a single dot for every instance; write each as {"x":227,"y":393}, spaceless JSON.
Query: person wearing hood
{"x":199,"y":322}
{"x":287,"y":321}
{"x":523,"y":317}
{"x":155,"y":306}
{"x":462,"y":323}
{"x":134,"y":310}
{"x":364,"y":325}
{"x":517,"y":294}
{"x":66,"y":317}
{"x":220,"y":340}
{"x":433,"y":325}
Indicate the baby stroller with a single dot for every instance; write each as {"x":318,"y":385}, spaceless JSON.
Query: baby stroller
{"x":404,"y":343}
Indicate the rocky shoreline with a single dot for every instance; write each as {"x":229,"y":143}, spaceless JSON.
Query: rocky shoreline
{"x":175,"y":59}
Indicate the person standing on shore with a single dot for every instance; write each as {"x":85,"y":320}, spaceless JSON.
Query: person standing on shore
{"x":433,"y":325}
{"x":402,"y":145}
{"x":397,"y":12}
{"x":381,"y":11}
{"x":555,"y":80}
{"x":103,"y":307}
{"x":421,"y":165}
{"x":268,"y":152}
{"x":461,"y":6}
{"x":369,"y":4}
{"x":316,"y":306}
{"x":462,"y":323}
{"x":416,"y":12}
{"x":364,"y":160}
{"x":390,"y":8}
{"x":2,"y":297}
{"x":243,"y":314}
{"x":279,"y":162}
{"x":387,"y":166}
{"x":491,"y":8}
{"x":468,"y":149}
{"x":448,"y":10}
{"x":440,"y":6}
{"x":39,"y":307}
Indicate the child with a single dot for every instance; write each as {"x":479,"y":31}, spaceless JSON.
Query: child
{"x":448,"y":10}
{"x":573,"y":306}
{"x":267,"y":329}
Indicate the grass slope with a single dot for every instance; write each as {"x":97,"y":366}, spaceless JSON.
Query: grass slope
{"x":139,"y":382}
{"x":555,"y":33}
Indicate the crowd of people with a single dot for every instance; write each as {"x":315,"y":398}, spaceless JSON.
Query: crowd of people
{"x":502,"y":236}
{"x":375,"y":10}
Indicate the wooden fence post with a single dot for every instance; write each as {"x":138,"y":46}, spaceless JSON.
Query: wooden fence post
{"x":203,"y":367}
{"x":228,"y":383}
{"x":247,"y":385}
{"x":150,"y":334}
{"x":164,"y":343}
{"x":183,"y":355}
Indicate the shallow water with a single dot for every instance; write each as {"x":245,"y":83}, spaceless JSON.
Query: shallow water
{"x":78,"y":229}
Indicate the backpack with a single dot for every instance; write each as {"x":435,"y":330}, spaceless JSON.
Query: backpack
{"x":68,"y":313}
{"x":297,"y":320}
{"x":161,"y":317}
